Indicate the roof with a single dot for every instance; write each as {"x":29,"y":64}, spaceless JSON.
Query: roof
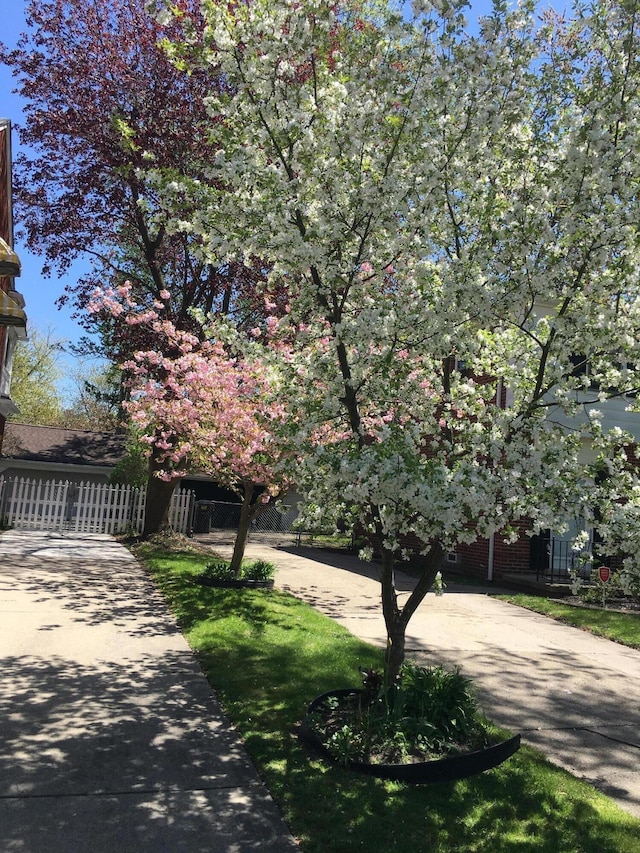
{"x":68,"y":446}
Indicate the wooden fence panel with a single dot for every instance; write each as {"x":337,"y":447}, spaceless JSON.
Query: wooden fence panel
{"x":35,"y":504}
{"x":181,"y":510}
{"x":83,"y":508}
{"x":102,"y":508}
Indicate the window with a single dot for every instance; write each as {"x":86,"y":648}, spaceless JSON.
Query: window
{"x":581,"y":367}
{"x":6,"y":363}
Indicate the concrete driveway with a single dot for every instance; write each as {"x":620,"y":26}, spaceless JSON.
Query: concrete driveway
{"x":574,"y":696}
{"x":110,"y":737}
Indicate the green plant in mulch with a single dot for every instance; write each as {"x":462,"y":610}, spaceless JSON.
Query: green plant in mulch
{"x":621,"y":590}
{"x":430,"y":713}
{"x":256,"y":570}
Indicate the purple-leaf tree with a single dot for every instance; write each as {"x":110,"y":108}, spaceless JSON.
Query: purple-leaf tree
{"x":103,"y":103}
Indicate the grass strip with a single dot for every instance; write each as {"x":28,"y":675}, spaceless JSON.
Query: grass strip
{"x":268,"y":654}
{"x":623,"y":628}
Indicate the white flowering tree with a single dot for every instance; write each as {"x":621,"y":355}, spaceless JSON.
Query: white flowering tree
{"x":455,"y":219}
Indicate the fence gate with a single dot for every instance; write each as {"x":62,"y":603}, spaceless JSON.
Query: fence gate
{"x":101,"y":508}
{"x":34,"y":504}
{"x":83,"y":507}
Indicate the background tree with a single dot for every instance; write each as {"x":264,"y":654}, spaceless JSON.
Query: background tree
{"x":102,"y":103}
{"x":35,"y":379}
{"x":132,"y":469}
{"x":195,"y":405}
{"x":96,"y":402}
{"x":456,"y":217}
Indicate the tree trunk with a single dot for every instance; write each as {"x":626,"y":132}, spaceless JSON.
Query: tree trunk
{"x":159,"y":494}
{"x":397,"y":618}
{"x":243,"y":527}
{"x":395,"y":651}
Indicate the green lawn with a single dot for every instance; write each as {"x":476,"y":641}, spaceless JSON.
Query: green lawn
{"x":268,"y":654}
{"x":623,"y":628}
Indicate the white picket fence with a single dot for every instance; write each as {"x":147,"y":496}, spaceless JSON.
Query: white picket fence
{"x":83,"y":507}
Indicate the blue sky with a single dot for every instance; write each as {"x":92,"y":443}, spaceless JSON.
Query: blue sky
{"x":41,"y":293}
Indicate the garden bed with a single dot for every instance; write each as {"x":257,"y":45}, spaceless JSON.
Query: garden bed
{"x":257,"y":574}
{"x":329,"y":713}
{"x":425,"y":727}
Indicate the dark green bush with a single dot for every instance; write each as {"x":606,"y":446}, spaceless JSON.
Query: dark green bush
{"x":259,"y":570}
{"x":220,"y":570}
{"x":622,"y":585}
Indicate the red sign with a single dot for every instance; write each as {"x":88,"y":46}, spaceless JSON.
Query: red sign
{"x":604,"y":572}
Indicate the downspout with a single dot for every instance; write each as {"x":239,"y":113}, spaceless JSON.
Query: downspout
{"x":490,"y":557}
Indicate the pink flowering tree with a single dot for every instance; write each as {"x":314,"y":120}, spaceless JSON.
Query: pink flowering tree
{"x":456,"y":220}
{"x":198,"y":407}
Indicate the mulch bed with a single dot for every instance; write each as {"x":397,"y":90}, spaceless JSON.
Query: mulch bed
{"x":615,"y":605}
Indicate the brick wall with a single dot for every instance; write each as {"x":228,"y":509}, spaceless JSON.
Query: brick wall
{"x":474,"y":558}
{"x":512,"y":559}
{"x":507,"y":559}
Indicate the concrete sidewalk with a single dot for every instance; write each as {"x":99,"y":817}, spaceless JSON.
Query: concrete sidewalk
{"x":110,"y":738}
{"x":574,"y":696}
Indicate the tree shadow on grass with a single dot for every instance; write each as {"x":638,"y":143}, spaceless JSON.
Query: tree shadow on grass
{"x":501,"y":811}
{"x":267,"y":675}
{"x":525,"y":804}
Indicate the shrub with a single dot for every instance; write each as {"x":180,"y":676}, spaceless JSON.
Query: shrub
{"x":623,"y":585}
{"x":431,"y":712}
{"x":220,"y":570}
{"x":259,"y":570}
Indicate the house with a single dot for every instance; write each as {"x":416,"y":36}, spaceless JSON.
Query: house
{"x":53,"y":478}
{"x":13,"y":321}
{"x":45,"y":455}
{"x":549,"y":554}
{"x":53,"y":453}
{"x":40,"y":452}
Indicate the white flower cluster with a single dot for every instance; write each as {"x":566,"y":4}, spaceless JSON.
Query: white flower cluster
{"x":456,"y":222}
